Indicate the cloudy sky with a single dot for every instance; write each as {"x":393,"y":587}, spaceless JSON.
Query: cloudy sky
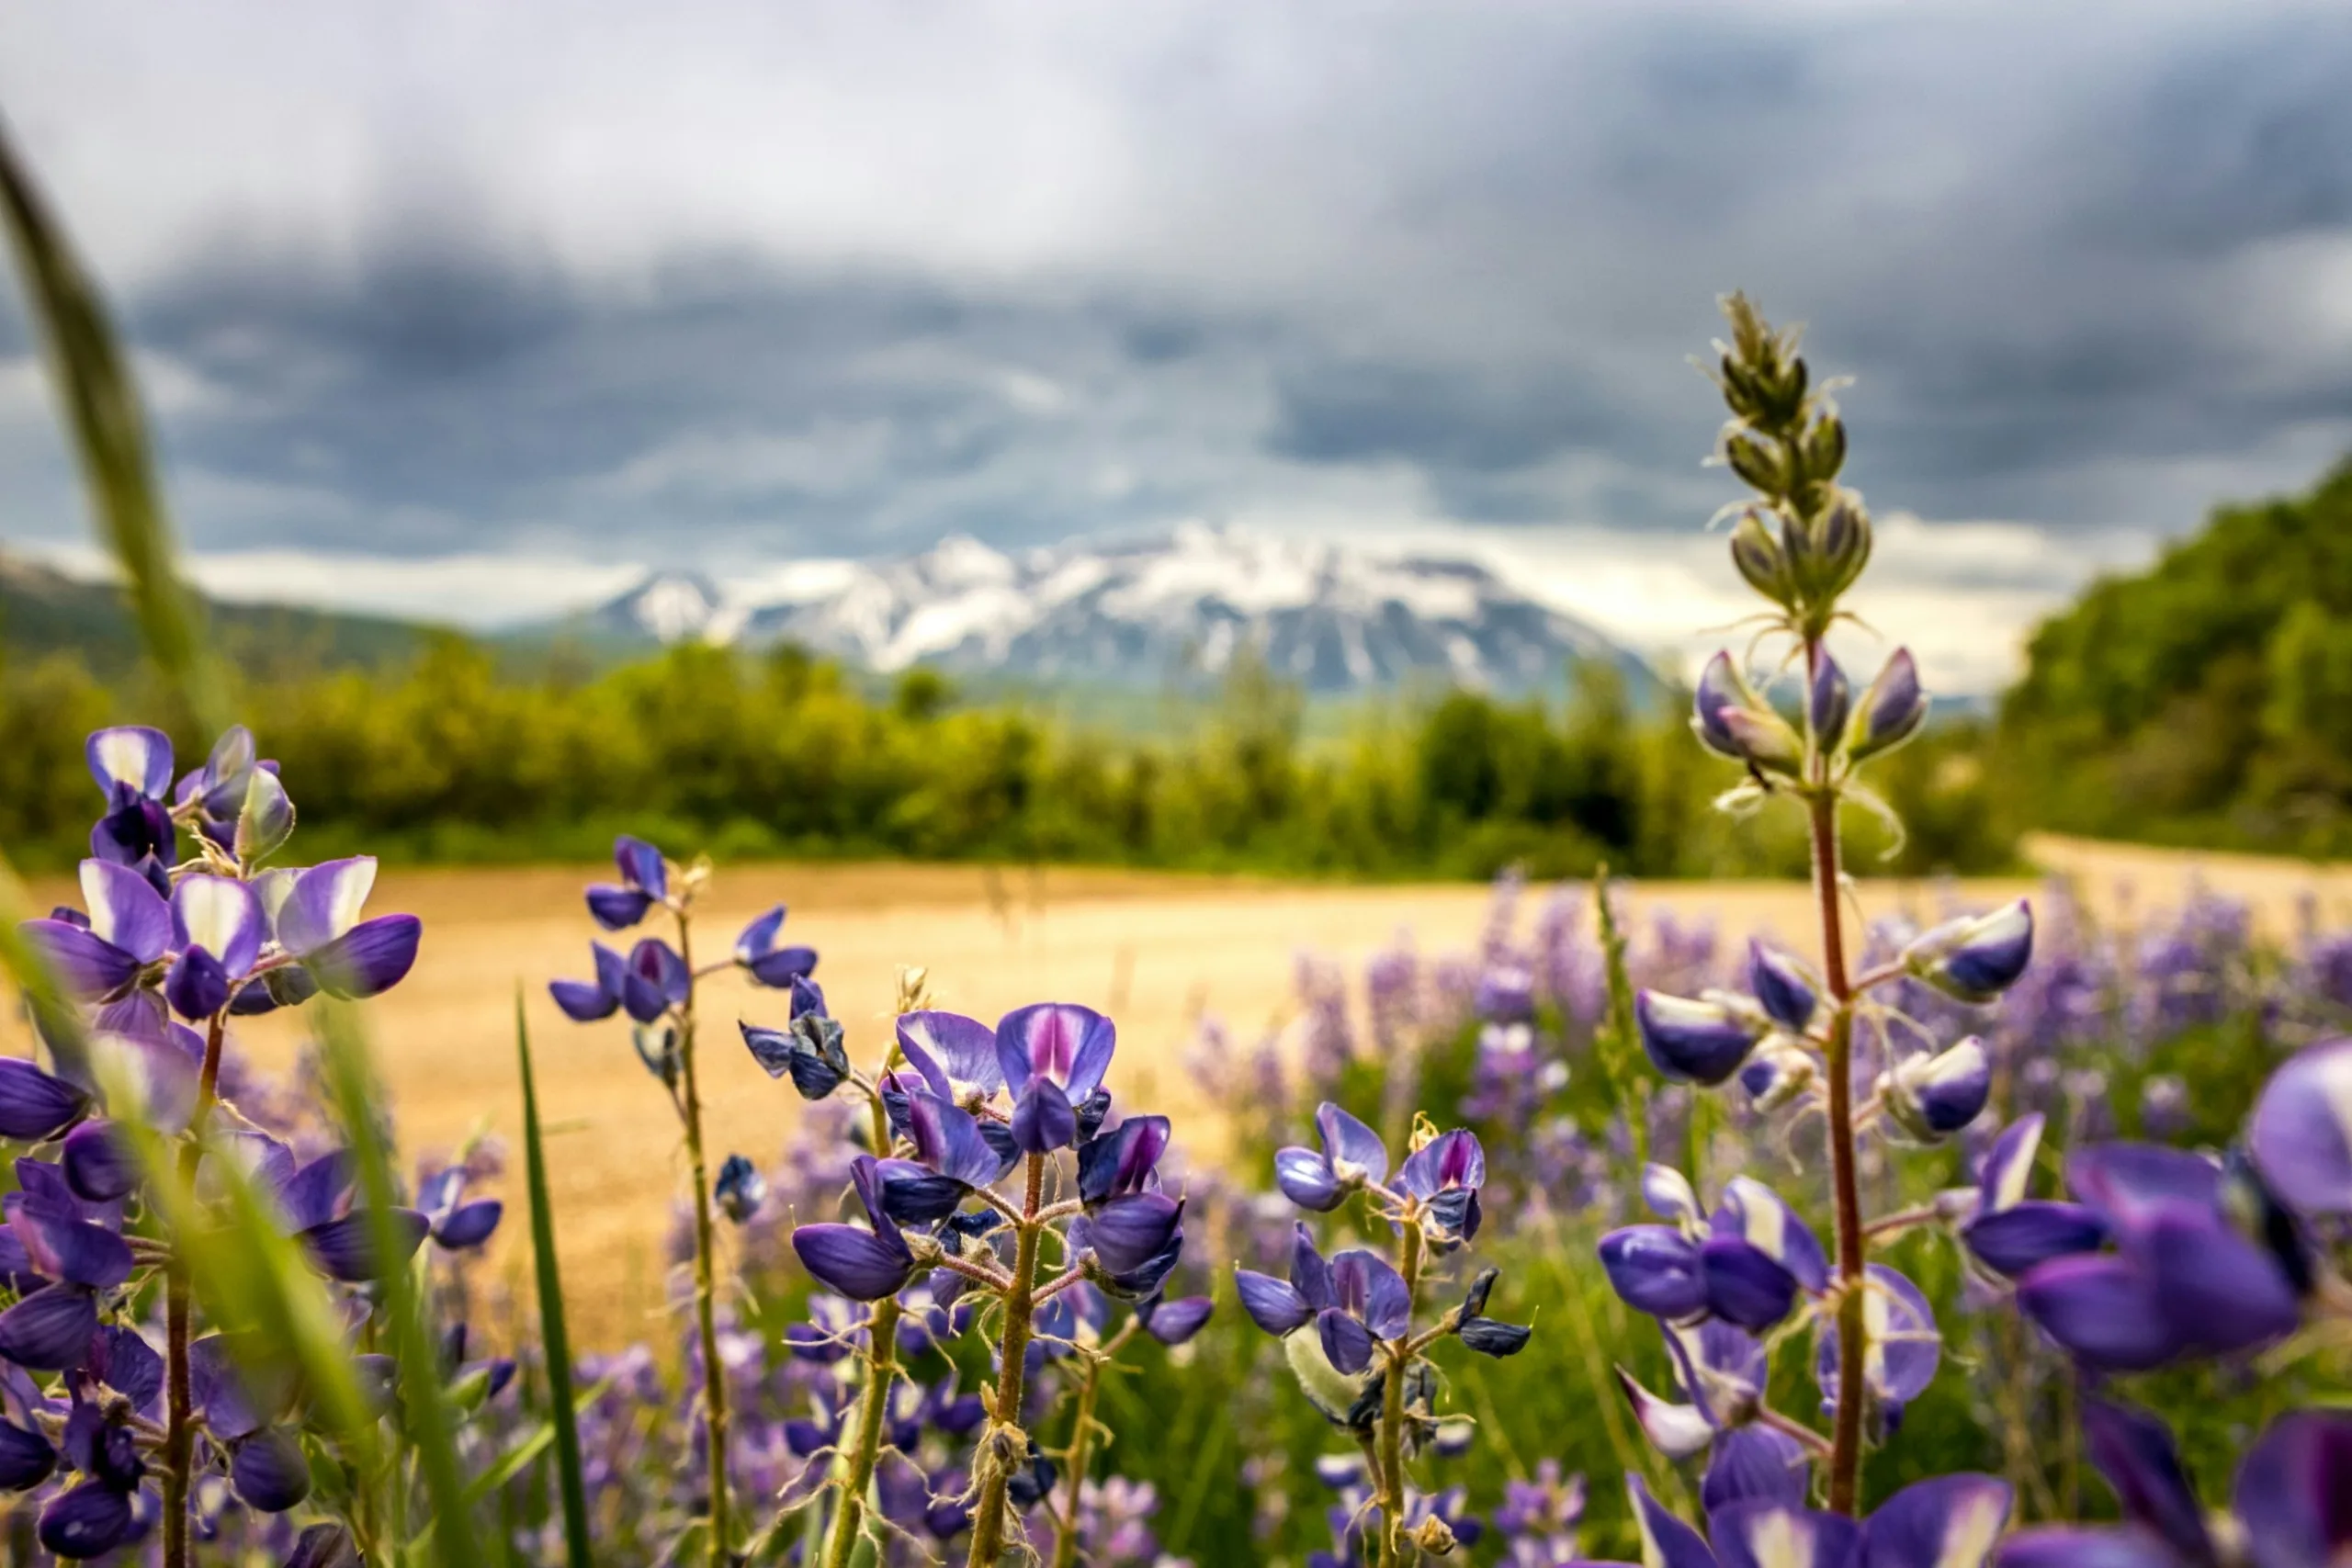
{"x":478,"y":307}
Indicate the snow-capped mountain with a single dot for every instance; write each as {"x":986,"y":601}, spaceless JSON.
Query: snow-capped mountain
{"x":1333,"y":617}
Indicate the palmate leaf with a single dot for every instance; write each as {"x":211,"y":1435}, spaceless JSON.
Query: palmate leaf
{"x":108,"y":432}
{"x":423,"y":1400}
{"x":555,"y":1337}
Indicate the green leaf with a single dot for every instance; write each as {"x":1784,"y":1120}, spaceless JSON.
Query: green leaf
{"x":555,"y":1339}
{"x":512,"y":1463}
{"x":422,"y":1396}
{"x":108,"y":434}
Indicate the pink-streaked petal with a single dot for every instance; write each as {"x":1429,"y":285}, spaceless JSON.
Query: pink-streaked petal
{"x":125,"y":909}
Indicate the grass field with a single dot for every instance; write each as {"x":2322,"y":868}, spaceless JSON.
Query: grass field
{"x":1156,"y":951}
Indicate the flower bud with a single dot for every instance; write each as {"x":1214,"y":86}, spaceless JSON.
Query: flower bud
{"x":1780,"y":987}
{"x":1697,"y":1042}
{"x":1974,"y":958}
{"x":1829,"y":701}
{"x":1778,"y":1073}
{"x":267,"y":820}
{"x":1844,"y":537}
{"x":1758,"y":556}
{"x":1825,"y":449}
{"x":1890,"y":712}
{"x":740,"y":1188}
{"x":1760,"y":467}
{"x":1731,"y":720}
{"x":1930,"y":1097}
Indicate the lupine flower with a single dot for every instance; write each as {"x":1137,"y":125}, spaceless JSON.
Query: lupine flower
{"x":810,"y":1047}
{"x":1744,"y":1264}
{"x":864,"y":1264}
{"x":215,"y":794}
{"x":1949,"y":1522}
{"x":1174,"y":1323}
{"x":2183,"y":1281}
{"x":266,"y":1466}
{"x":318,"y":924}
{"x":1484,"y":1334}
{"x":129,"y":929}
{"x":316,"y":1202}
{"x":1444,"y":1175}
{"x":2300,"y":1133}
{"x":1974,"y":958}
{"x":75,"y":1249}
{"x":133,"y":766}
{"x":1284,"y":1309}
{"x":95,"y":1515}
{"x":768,"y":965}
{"x":740,"y":1188}
{"x":585,"y":1001}
{"x":2289,"y":1499}
{"x":1721,"y":1371}
{"x":954,"y":1056}
{"x":1903,"y":1348}
{"x":456,"y":1223}
{"x":1731,"y":720}
{"x":218,"y":927}
{"x":1053,"y":1055}
{"x":1890,"y":712}
{"x":1782,"y":989}
{"x":1931,"y":1097}
{"x":35,"y":1106}
{"x":1702,"y":1041}
{"x":2011,"y":1232}
{"x":1352,"y":1156}
{"x":1537,"y":1520}
{"x":645,"y":882}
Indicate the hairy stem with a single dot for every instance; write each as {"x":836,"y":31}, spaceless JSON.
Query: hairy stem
{"x":714,"y":1374}
{"x":1846,"y":1448}
{"x":881,"y":1369}
{"x":1005,"y":1445}
{"x":1081,"y":1452}
{"x":179,"y":1437}
{"x":1394,"y":1548}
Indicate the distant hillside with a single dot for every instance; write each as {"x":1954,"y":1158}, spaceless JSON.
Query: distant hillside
{"x":2208,"y":699}
{"x":43,"y":611}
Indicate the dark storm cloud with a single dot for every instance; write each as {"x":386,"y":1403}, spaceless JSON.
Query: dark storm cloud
{"x":2085,"y":262}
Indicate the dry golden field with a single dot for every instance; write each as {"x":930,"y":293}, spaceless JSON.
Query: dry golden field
{"x":1156,"y":951}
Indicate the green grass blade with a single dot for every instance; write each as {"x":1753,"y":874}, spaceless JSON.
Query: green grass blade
{"x":525,"y":1450}
{"x":422,"y":1395}
{"x":108,"y":435}
{"x":555,"y":1339}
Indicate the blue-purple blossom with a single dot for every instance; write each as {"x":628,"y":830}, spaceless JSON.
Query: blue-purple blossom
{"x":1829,"y":700}
{"x":1890,"y":712}
{"x":810,"y":1047}
{"x":864,"y":1264}
{"x":1950,"y":1522}
{"x":2300,"y":1133}
{"x":1904,"y":1347}
{"x":1785,"y":992}
{"x":2011,"y":1232}
{"x":1702,"y":1041}
{"x":768,"y":962}
{"x":1731,"y":720}
{"x":129,"y":929}
{"x":740,"y":1188}
{"x":1744,"y":1264}
{"x":1443,"y":1176}
{"x":2289,"y":1499}
{"x":1931,"y":1096}
{"x":456,"y":1223}
{"x":1976,"y":957}
{"x":1053,"y":1055}
{"x":133,"y":766}
{"x":318,"y":923}
{"x":1351,"y":1157}
{"x":95,"y":1515}
{"x":645,"y":882}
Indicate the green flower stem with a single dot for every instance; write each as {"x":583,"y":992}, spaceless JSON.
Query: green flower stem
{"x":881,"y":1369}
{"x":1394,"y":1547}
{"x":714,"y":1374}
{"x":1005,"y":1446}
{"x":179,"y":1436}
{"x":1081,"y":1452}
{"x":1846,"y":1447}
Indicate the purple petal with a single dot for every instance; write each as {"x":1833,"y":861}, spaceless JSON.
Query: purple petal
{"x":778,"y":969}
{"x":223,"y":917}
{"x":947,"y":1139}
{"x":88,"y":1520}
{"x":1129,"y":1232}
{"x":2135,"y":1452}
{"x":1124,"y":1159}
{"x":1306,"y":1179}
{"x":583,"y":1001}
{"x":1745,"y":1284}
{"x":1666,"y":1541}
{"x":324,"y":1546}
{"x":2126,"y":1180}
{"x":1043,"y":1118}
{"x":1779,"y":986}
{"x":197,"y":986}
{"x":953,"y":1053}
{"x":1765,"y":1223}
{"x":154,"y":1079}
{"x":1677,"y":1431}
{"x":1069,"y":1043}
{"x":2294,"y":1492}
{"x":1273,"y":1305}
{"x":313,"y":1194}
{"x":2300,"y":1133}
{"x":125,"y":909}
{"x":1754,"y":1464}
{"x":1656,"y":1269}
{"x":1176,"y":1322}
{"x":1900,"y":1328}
{"x":1347,"y":1344}
{"x":1768,"y":1533}
{"x":345,"y":1249}
{"x":470,"y":1225}
{"x":217,"y":1385}
{"x":66,"y":1247}
{"x":2013,"y":1240}
{"x":1451,"y":1160}
{"x":1365,"y":1284}
{"x":641,"y":866}
{"x":370,"y":958}
{"x":35,"y":1106}
{"x":49,"y":1330}
{"x":131,"y":759}
{"x":323,"y":903}
{"x":1692,"y":1041}
{"x":616,"y":908}
{"x":2220,"y":1292}
{"x":122,"y":1360}
{"x":269,"y":1473}
{"x":26,"y":1459}
{"x":98,"y":1163}
{"x":2069,"y":1547}
{"x":2101,"y":1310}
{"x":852,"y":1260}
{"x":1308,"y":1272}
{"x":1952,"y":1521}
{"x":86,"y":965}
{"x":759,"y":937}
{"x":1354,"y":1150}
